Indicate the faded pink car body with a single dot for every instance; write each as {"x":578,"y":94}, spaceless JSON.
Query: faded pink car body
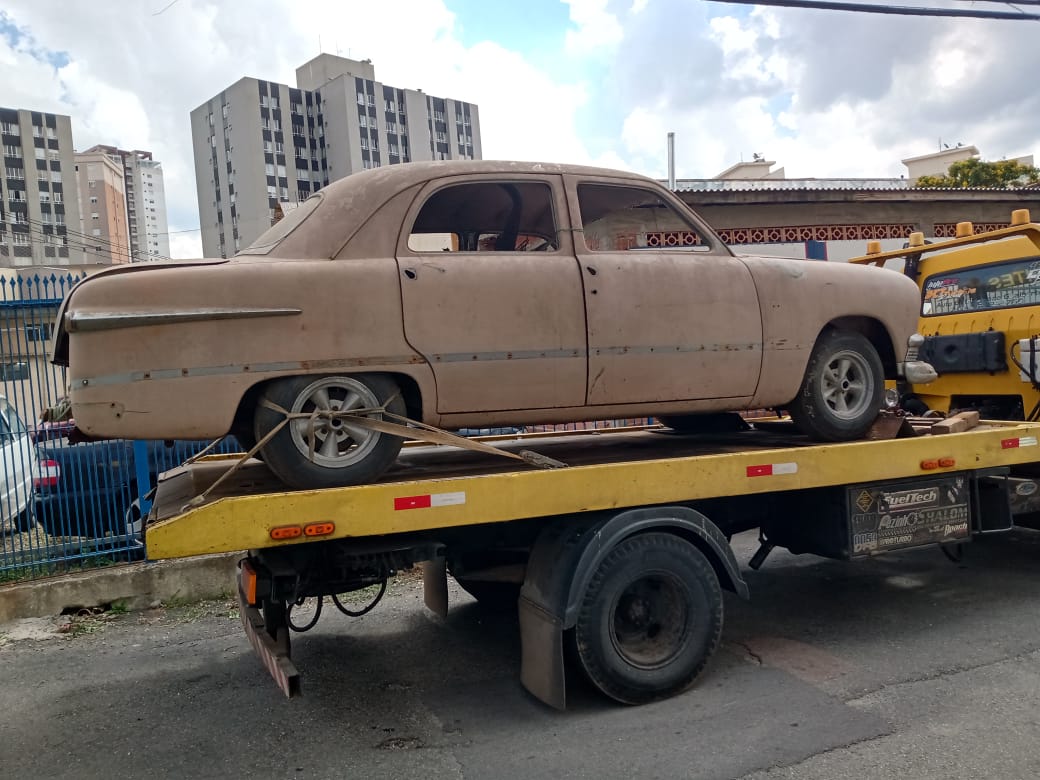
{"x":474,"y":339}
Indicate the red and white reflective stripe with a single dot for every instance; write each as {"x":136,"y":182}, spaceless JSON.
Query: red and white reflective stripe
{"x":49,"y":474}
{"x":429,"y":500}
{"x":1023,"y":441}
{"x":772,"y":469}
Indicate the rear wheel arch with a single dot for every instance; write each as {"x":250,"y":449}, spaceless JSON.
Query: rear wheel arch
{"x":242,"y":424}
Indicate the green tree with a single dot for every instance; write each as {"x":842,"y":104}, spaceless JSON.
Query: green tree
{"x":978,"y":173}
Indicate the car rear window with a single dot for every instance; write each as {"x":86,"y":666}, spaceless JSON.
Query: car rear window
{"x":293,"y":218}
{"x":999,"y":286}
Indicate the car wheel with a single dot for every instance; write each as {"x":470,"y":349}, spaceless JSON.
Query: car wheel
{"x":650,"y":619}
{"x":843,"y":388}
{"x":327,"y":453}
{"x":26,"y":519}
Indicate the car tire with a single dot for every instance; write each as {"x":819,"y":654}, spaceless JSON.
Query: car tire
{"x":26,"y":519}
{"x":650,"y":619}
{"x":342,"y":455}
{"x":843,"y":388}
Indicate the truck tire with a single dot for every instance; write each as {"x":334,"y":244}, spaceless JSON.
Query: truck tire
{"x":650,"y":619}
{"x":843,"y":388}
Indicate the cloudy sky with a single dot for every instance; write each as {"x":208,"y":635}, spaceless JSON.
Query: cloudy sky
{"x":822,"y":93}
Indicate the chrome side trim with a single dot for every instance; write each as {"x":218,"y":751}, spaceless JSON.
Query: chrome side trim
{"x":82,"y":322}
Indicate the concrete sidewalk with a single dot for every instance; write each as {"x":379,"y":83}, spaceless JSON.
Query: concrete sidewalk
{"x":133,"y":585}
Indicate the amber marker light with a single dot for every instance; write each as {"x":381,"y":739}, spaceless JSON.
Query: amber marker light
{"x":283,"y":532}
{"x":947,"y":463}
{"x":247,"y":581}
{"x":929,"y":465}
{"x":318,"y":529}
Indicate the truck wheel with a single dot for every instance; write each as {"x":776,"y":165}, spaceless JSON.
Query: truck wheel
{"x":843,"y":388}
{"x":343,"y":454}
{"x":650,"y":619}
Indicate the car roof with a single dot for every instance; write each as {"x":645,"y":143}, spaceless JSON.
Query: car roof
{"x":337,"y":212}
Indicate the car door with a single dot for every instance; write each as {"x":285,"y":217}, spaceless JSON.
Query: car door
{"x":672,"y":314}
{"x":492,"y":293}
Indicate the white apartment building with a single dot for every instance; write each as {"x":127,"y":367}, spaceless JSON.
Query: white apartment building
{"x":39,"y":225}
{"x":145,"y":202}
{"x":259,"y":143}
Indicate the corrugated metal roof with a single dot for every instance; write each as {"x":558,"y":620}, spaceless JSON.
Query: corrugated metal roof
{"x":758,"y":185}
{"x":750,"y":185}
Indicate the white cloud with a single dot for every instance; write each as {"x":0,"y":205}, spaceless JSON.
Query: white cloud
{"x":596,"y":30}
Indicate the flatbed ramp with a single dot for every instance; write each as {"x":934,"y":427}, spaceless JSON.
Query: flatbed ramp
{"x":441,"y":487}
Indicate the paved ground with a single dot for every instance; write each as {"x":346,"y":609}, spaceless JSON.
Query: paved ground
{"x":906,"y":666}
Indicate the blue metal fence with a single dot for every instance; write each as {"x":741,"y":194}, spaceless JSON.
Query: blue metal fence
{"x":62,"y":505}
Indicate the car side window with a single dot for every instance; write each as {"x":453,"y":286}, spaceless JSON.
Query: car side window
{"x":618,"y":218}
{"x":487,"y":217}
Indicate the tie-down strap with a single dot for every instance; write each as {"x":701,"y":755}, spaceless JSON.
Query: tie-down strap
{"x":404,"y":428}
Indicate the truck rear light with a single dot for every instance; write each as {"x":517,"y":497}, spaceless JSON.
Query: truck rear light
{"x":50,"y":473}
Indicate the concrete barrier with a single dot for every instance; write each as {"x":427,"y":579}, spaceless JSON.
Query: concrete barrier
{"x":135,"y":585}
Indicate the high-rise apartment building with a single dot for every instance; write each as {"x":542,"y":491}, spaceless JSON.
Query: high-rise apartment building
{"x":145,"y":202}
{"x":102,"y":206}
{"x":39,"y":225}
{"x":258,"y":143}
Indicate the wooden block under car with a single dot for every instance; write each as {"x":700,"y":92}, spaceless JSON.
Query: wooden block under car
{"x":962,"y":421}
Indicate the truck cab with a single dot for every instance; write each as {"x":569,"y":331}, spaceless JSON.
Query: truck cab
{"x":980,"y":316}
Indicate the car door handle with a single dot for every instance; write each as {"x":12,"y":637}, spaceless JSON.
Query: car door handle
{"x":591,"y":270}
{"x":410,"y":273}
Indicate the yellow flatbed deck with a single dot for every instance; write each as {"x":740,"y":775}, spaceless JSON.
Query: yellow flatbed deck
{"x":439,"y":487}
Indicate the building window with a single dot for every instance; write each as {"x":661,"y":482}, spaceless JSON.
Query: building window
{"x":9,"y":128}
{"x":93,"y":198}
{"x":12,"y":371}
{"x":389,"y":105}
{"x":95,"y":232}
{"x":361,"y":98}
{"x":41,"y":154}
{"x":12,"y":151}
{"x":38,"y":332}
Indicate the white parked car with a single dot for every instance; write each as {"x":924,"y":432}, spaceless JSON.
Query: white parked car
{"x":19,"y":467}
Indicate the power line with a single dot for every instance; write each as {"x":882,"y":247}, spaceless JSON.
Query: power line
{"x":828,"y":5}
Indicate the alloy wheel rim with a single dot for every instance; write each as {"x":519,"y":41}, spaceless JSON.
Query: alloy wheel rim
{"x":336,"y":443}
{"x":847,"y":385}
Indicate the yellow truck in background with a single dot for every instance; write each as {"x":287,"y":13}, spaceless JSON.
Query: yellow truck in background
{"x":980,"y":316}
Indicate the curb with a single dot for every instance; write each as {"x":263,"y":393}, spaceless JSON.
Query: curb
{"x":136,"y":585}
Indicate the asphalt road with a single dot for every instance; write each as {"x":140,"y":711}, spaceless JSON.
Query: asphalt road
{"x":904,"y":666}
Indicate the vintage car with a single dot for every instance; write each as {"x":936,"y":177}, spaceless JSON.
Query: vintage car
{"x":476,"y":294}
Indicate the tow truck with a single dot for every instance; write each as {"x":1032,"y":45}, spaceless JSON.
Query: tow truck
{"x":619,"y":553}
{"x":980,"y":301}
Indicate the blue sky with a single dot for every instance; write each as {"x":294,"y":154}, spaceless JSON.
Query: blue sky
{"x":585,"y":81}
{"x":530,"y":27}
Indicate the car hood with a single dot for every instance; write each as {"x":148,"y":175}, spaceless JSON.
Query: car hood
{"x":60,"y":340}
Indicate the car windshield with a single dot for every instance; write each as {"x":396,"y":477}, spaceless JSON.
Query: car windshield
{"x":293,"y":218}
{"x":998,"y":286}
